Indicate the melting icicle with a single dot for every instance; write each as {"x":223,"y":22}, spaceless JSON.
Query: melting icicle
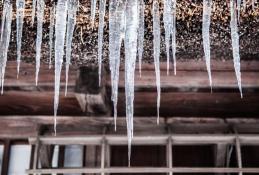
{"x":235,"y":44}
{"x":6,"y":7}
{"x":116,"y":35}
{"x":167,"y":18}
{"x":5,"y":40}
{"x":34,"y":2}
{"x":40,"y":16}
{"x":206,"y":35}
{"x":253,"y":4}
{"x":93,"y":7}
{"x":71,"y":22}
{"x":174,"y":33}
{"x":51,"y":33}
{"x":156,"y":43}
{"x":102,"y":7}
{"x":131,"y":39}
{"x":238,"y":9}
{"x":60,"y":32}
{"x":20,"y":4}
{"x":141,"y":32}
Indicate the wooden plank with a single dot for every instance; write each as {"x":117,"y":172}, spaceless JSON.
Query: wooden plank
{"x":37,"y":103}
{"x":146,"y":170}
{"x":12,"y":127}
{"x":185,"y":104}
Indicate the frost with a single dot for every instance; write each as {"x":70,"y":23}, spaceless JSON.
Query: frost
{"x":131,"y":42}
{"x":40,"y":16}
{"x":235,"y":44}
{"x":141,"y":32}
{"x":60,"y":32}
{"x":51,"y":33}
{"x":5,"y":39}
{"x":206,"y":35}
{"x":20,"y":4}
{"x":71,"y":22}
{"x":156,"y":43}
{"x":102,"y":7}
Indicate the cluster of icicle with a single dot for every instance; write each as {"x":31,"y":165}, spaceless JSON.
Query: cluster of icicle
{"x":126,"y":24}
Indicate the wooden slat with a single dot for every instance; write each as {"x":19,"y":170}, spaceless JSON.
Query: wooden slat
{"x":146,"y":170}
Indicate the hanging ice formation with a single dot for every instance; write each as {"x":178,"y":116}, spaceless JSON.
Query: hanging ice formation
{"x":167,"y":18}
{"x":20,"y":4}
{"x":141,"y":32}
{"x":116,"y":35}
{"x":174,"y":33}
{"x":60,"y":32}
{"x":238,"y":9}
{"x":131,"y":39}
{"x":235,"y":43}
{"x":5,"y":39}
{"x":40,"y":16}
{"x":102,"y":6}
{"x":34,"y":2}
{"x":51,"y":33}
{"x":156,"y":43}
{"x":93,"y":7}
{"x":206,"y":35}
{"x":71,"y":22}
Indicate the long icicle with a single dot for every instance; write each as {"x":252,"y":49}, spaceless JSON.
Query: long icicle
{"x":131,"y":39}
{"x":102,"y":7}
{"x":93,"y":8}
{"x":20,"y":5}
{"x":206,"y":35}
{"x":141,"y":32}
{"x":4,"y":44}
{"x":60,"y":32}
{"x":167,"y":18}
{"x":238,"y":9}
{"x":235,"y":44}
{"x":51,"y":33}
{"x":116,"y":35}
{"x":34,"y":3}
{"x":156,"y":43}
{"x":40,"y":16}
{"x":174,"y":33}
{"x":6,"y":7}
{"x":71,"y":22}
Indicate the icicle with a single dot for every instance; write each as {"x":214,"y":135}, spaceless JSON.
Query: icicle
{"x":34,"y":2}
{"x":6,"y":7}
{"x":102,"y":7}
{"x":131,"y":39}
{"x":71,"y":22}
{"x":206,"y":35}
{"x":93,"y":8}
{"x":174,"y":33}
{"x":141,"y":32}
{"x":116,"y":35}
{"x":156,"y":43}
{"x":235,"y":44}
{"x":60,"y":32}
{"x":51,"y":33}
{"x":244,"y":4}
{"x":238,"y":9}
{"x":20,"y":4}
{"x":5,"y":40}
{"x":40,"y":16}
{"x":253,"y":4}
{"x":167,"y":18}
